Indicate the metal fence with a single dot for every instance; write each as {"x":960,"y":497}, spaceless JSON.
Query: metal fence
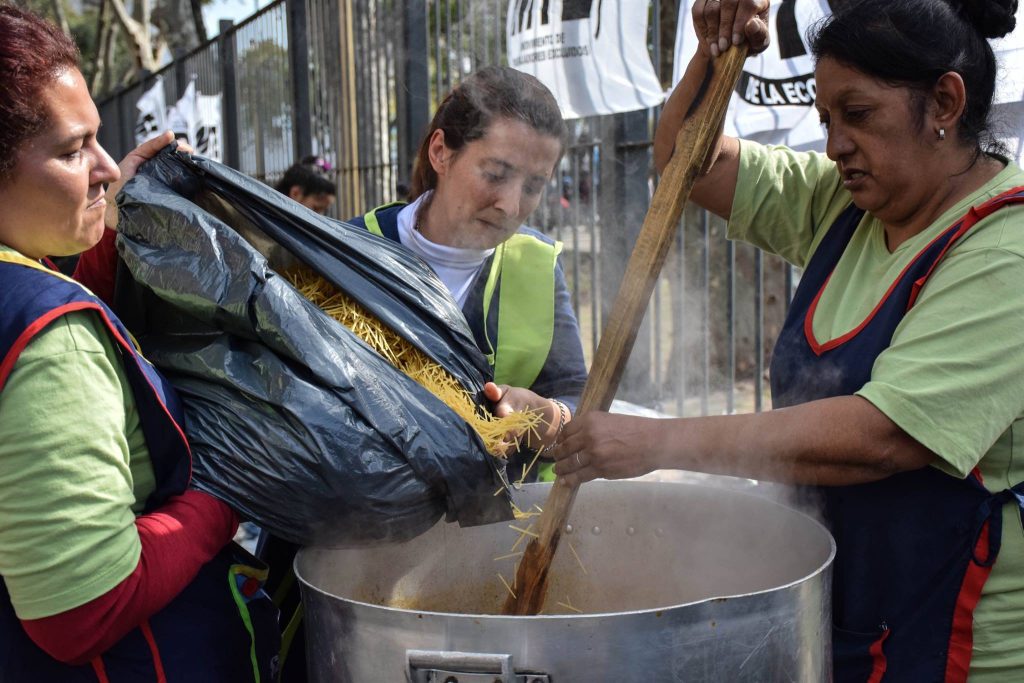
{"x":355,"y":81}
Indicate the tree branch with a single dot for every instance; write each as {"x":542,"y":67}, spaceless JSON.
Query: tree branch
{"x":101,"y":58}
{"x":138,"y":34}
{"x":62,"y":17}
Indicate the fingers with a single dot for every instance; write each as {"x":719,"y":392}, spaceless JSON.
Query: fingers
{"x":578,"y":455}
{"x":705,"y":23}
{"x":604,"y":445}
{"x":578,"y":477}
{"x":720,"y":24}
{"x":493,"y":392}
{"x":498,"y":394}
{"x":505,"y":448}
{"x":728,"y":35}
{"x":146,"y":151}
{"x":574,"y":469}
{"x":751,"y":24}
{"x":565,"y":449}
{"x":129,"y":167}
{"x":756,"y":31}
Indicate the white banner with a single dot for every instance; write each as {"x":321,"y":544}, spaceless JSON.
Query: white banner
{"x":152,"y":108}
{"x":774,"y":102}
{"x":208,"y":130}
{"x":183,"y":117}
{"x":592,"y":54}
{"x":197,"y":119}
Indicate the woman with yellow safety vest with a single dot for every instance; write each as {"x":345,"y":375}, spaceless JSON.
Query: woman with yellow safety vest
{"x":491,"y":148}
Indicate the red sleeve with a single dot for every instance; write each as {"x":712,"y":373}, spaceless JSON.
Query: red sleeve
{"x":97,"y":267}
{"x":177,"y":540}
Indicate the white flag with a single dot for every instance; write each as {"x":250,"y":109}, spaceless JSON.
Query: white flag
{"x":592,"y":54}
{"x":208,"y":128}
{"x":197,"y":118}
{"x":151,"y":119}
{"x":183,"y":117}
{"x":774,"y":100}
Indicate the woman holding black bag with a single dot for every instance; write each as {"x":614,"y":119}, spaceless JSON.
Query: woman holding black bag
{"x":113,"y":569}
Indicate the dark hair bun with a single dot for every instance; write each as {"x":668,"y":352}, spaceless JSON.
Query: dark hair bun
{"x":992,"y":18}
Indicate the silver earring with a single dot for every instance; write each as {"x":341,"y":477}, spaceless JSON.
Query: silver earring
{"x":942,"y":133}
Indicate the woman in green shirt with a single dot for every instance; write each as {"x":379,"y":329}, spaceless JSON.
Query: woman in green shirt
{"x":112,"y":567}
{"x":898,"y":378}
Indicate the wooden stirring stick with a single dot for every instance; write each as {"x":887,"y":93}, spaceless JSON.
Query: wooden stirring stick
{"x":693,"y":144}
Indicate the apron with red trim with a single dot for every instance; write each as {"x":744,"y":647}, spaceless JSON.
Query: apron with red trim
{"x":915,"y":549}
{"x":221,"y":627}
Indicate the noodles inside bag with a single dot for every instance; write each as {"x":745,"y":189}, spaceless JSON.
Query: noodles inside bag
{"x":412,"y":362}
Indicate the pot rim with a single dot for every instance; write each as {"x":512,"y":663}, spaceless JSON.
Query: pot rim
{"x":823,"y":567}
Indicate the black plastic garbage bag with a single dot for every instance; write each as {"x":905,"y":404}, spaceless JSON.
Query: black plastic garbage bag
{"x":292,"y":419}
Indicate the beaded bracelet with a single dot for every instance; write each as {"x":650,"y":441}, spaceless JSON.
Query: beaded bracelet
{"x":563,"y":417}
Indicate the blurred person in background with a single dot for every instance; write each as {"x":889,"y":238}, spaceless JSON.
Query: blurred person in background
{"x":308,"y":183}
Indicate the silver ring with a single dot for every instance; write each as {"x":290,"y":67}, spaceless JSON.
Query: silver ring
{"x":578,"y":461}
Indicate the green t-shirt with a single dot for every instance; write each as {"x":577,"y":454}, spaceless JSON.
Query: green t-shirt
{"x":74,"y":469}
{"x":953,"y":376}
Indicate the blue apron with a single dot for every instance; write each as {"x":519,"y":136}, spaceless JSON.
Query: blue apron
{"x":221,"y":627}
{"x":915,"y":549}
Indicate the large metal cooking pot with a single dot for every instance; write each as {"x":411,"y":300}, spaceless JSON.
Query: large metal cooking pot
{"x":682,"y":582}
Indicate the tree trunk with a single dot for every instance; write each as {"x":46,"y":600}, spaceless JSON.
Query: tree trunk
{"x":197,"y":17}
{"x":101,"y":59}
{"x":176,"y":22}
{"x":62,"y":17}
{"x":138,"y":33}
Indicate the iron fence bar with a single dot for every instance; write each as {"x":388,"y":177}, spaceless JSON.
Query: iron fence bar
{"x":371,"y":46}
{"x":499,"y":35}
{"x":474,"y":52}
{"x":180,"y":76}
{"x":447,"y":47}
{"x":377,"y":107}
{"x":363,"y":105}
{"x":229,"y":113}
{"x":127,"y":133}
{"x":730,"y":394}
{"x":298,"y":51}
{"x":459,"y":40}
{"x":654,"y":311}
{"x":595,"y":262}
{"x":758,"y":329}
{"x":655,"y":40}
{"x":705,"y":224}
{"x":575,"y":231}
{"x":678,"y":320}
{"x":788,"y":285}
{"x":574,"y":207}
{"x":438,"y":71}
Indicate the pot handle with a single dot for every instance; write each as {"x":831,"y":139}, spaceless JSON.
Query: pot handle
{"x":441,"y":666}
